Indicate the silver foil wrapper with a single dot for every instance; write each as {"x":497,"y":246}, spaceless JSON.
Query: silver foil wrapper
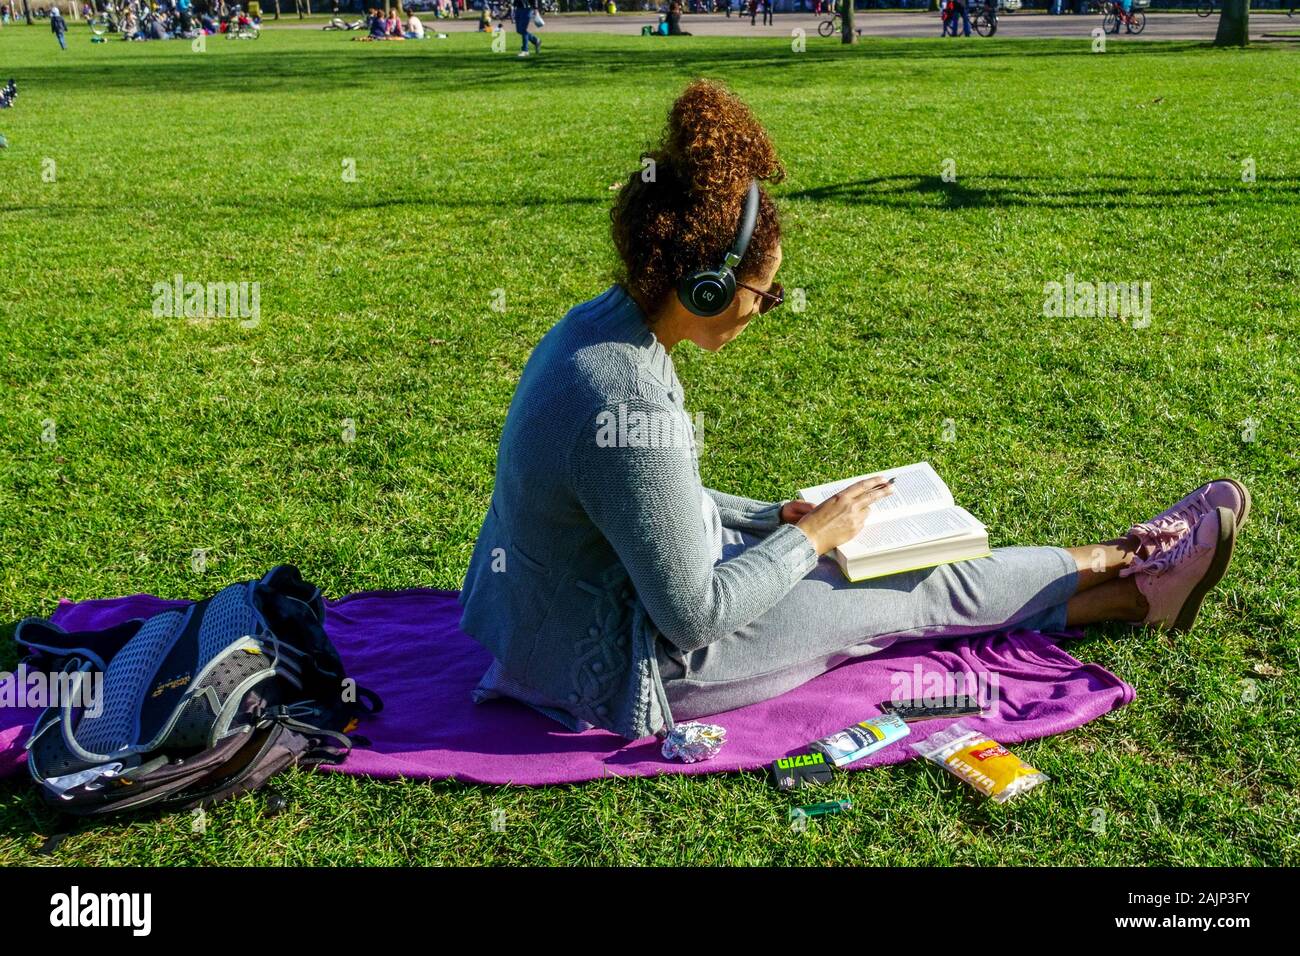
{"x":693,"y":741}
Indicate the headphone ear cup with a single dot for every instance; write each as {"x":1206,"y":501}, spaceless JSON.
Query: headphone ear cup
{"x":707,"y":293}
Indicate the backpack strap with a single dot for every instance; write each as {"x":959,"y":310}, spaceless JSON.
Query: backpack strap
{"x":52,"y":648}
{"x":330,"y":746}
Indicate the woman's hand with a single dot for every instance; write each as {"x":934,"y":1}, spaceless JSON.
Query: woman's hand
{"x":792,"y":511}
{"x":840,"y":517}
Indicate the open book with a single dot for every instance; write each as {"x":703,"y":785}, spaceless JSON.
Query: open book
{"x":918,"y":526}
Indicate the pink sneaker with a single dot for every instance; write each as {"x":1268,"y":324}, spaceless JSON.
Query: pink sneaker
{"x":1187,"y":562}
{"x":1220,"y":493}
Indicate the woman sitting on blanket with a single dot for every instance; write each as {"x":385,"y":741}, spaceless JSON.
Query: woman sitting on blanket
{"x":614,"y":590}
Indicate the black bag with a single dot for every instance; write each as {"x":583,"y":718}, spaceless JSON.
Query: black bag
{"x":194,"y":705}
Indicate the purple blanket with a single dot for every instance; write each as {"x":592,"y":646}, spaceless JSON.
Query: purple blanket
{"x":406,"y":646}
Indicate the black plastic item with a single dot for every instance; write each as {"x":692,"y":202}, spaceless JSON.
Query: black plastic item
{"x":915,"y":710}
{"x":801,"y":770}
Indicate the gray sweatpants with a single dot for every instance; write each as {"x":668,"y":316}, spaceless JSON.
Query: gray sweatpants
{"x":826,"y":620}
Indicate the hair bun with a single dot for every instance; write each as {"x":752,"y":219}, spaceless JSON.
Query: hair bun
{"x":715,"y":144}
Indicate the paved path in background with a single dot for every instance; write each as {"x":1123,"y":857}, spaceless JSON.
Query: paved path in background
{"x":877,"y":23}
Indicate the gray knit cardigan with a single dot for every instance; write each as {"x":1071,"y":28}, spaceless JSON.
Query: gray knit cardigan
{"x":600,"y":538}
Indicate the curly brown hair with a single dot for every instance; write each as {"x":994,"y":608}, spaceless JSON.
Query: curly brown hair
{"x":684,"y":217}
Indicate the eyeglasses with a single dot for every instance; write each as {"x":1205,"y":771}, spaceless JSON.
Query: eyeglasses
{"x":773,"y":297}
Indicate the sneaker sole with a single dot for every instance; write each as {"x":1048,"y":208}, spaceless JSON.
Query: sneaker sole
{"x":1214,"y":574}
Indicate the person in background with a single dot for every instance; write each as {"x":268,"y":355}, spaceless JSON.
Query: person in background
{"x":394,"y":25}
{"x":961,"y":11}
{"x":414,"y":28}
{"x":378,"y":26}
{"x":523,"y":18}
{"x":675,"y":20}
{"x":1123,"y":13}
{"x":767,"y":12}
{"x":59,"y":26}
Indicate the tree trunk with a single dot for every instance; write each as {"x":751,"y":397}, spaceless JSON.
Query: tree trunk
{"x":27,"y":12}
{"x":1234,"y":24}
{"x":847,"y":34}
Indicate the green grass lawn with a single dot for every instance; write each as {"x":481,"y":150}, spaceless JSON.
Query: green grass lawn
{"x":477,"y":172}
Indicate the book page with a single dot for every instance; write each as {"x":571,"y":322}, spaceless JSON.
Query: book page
{"x":907,"y":531}
{"x":918,"y":488}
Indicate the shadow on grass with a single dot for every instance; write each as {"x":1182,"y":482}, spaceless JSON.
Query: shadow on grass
{"x":319,"y":70}
{"x":991,"y":191}
{"x":329,"y":204}
{"x":901,"y":191}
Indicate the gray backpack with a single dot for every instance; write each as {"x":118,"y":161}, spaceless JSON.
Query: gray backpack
{"x":193,"y":705}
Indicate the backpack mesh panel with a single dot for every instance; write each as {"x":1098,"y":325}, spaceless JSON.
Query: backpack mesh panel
{"x":191,"y":729}
{"x":52,"y":756}
{"x":194,"y":726}
{"x":125,"y":684}
{"x":229,"y":617}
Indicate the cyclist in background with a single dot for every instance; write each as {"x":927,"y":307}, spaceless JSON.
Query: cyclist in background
{"x":1123,"y":13}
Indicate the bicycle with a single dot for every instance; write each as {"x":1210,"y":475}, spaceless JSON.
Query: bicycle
{"x":109,"y":20}
{"x":831,"y":26}
{"x":102,"y":23}
{"x":1134,"y":22}
{"x":985,"y":20}
{"x":1205,"y":8}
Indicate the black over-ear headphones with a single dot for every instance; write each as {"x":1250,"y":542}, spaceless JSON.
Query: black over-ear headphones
{"x":711,"y":291}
